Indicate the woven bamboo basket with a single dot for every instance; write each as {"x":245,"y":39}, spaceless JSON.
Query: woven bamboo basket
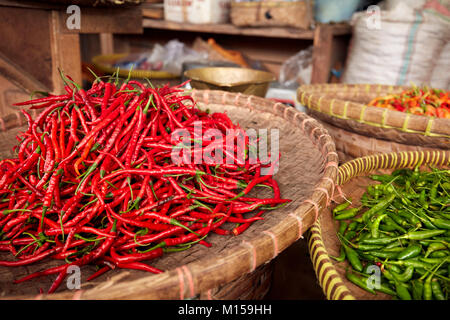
{"x":344,"y":106}
{"x":352,"y":182}
{"x":235,"y":266}
{"x":104,"y":63}
{"x":297,"y":14}
{"x":350,"y":145}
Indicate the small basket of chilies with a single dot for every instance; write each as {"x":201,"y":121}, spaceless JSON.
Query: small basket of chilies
{"x":387,"y":234}
{"x":373,"y":119}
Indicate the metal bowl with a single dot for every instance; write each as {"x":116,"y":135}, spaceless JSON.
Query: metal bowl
{"x":246,"y":81}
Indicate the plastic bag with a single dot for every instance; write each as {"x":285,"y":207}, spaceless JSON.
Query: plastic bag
{"x":297,"y":69}
{"x":173,"y":55}
{"x":136,"y":61}
{"x":169,"y":58}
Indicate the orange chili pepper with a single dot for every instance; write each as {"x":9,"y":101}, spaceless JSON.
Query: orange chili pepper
{"x":83,"y":155}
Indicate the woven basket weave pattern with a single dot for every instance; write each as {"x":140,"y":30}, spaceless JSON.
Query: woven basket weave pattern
{"x":351,"y":145}
{"x":272,"y":13}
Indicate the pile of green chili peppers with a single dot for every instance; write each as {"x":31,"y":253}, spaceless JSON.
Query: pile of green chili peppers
{"x":402,"y":230}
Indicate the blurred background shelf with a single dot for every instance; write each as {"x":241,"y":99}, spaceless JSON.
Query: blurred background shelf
{"x":273,"y":32}
{"x":330,"y":42}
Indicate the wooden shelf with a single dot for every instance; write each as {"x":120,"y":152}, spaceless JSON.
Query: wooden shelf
{"x":324,"y":37}
{"x":290,"y":33}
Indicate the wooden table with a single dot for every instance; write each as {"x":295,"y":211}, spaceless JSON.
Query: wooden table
{"x":36,"y":44}
{"x":324,"y":38}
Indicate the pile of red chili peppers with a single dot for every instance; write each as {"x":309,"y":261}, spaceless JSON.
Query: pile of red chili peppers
{"x":93,"y":182}
{"x":419,"y":101}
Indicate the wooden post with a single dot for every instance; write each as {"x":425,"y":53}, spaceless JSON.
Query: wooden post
{"x":66,"y":53}
{"x":36,"y":45}
{"x":106,"y":43}
{"x":323,"y":43}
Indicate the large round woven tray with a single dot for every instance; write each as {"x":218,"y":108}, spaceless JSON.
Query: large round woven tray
{"x":352,"y":182}
{"x":307,"y":175}
{"x":344,"y":106}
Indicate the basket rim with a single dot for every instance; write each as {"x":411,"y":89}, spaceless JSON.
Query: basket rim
{"x":323,"y":266}
{"x":189,"y":280}
{"x":98,"y":62}
{"x":314,"y":98}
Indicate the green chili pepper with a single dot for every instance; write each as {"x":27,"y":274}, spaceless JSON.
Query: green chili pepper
{"x":353,"y":258}
{"x":347,"y":214}
{"x":410,"y":252}
{"x":412,"y":263}
{"x":342,"y":227}
{"x":388,"y":221}
{"x":392,"y":267}
{"x":395,"y":244}
{"x":350,"y":235}
{"x":405,"y":276}
{"x":378,"y":207}
{"x":436,"y":260}
{"x":367,"y":247}
{"x":439,"y":254}
{"x":388,"y":275}
{"x":427,"y":290}
{"x":359,"y":282}
{"x":422,"y":199}
{"x":437,"y":290}
{"x":435,"y":246}
{"x":384,"y":288}
{"x":371,"y":190}
{"x":397,"y":219}
{"x":382,"y":177}
{"x":421,"y":235}
{"x":375,"y":225}
{"x":380,"y":287}
{"x":422,"y":271}
{"x":342,"y":206}
{"x":381,"y":240}
{"x":433,"y":191}
{"x":353,"y":226}
{"x":363,"y":236}
{"x":410,"y":218}
{"x":384,"y":254}
{"x":417,"y":291}
{"x":341,"y":256}
{"x":397,"y":249}
{"x":387,"y":227}
{"x":402,"y":291}
{"x":440,"y":223}
{"x":424,"y":219}
{"x":366,"y":256}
